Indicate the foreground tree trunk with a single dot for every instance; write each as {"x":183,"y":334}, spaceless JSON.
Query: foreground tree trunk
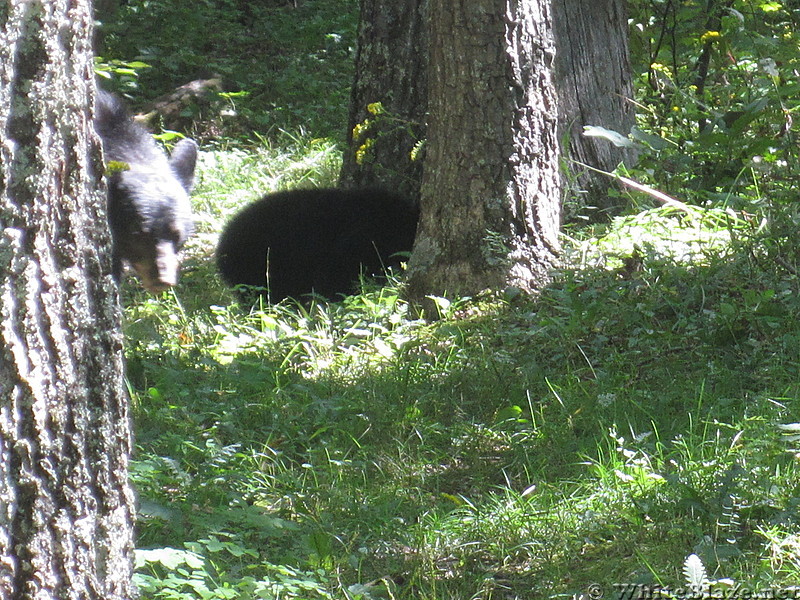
{"x":594,"y":87}
{"x":66,"y":509}
{"x":391,"y":68}
{"x":491,"y":186}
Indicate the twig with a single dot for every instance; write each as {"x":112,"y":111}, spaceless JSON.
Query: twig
{"x":660,"y":196}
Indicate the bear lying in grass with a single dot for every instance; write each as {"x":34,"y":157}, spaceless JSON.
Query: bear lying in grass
{"x":318,"y":241}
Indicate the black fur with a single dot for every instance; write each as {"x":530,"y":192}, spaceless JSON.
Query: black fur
{"x":318,"y":241}
{"x":148,"y":195}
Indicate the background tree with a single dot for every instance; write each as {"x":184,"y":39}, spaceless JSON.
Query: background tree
{"x":490,"y":201}
{"x":594,"y":87}
{"x":592,"y":77}
{"x":390,"y":69}
{"x":67,"y":510}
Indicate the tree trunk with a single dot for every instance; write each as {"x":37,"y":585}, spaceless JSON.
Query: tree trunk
{"x":391,"y":69}
{"x":593,"y":84}
{"x":594,"y":87}
{"x":491,"y":186}
{"x":66,"y":509}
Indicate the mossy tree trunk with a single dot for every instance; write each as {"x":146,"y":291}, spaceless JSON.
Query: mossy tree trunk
{"x":66,"y":508}
{"x":491,"y":185}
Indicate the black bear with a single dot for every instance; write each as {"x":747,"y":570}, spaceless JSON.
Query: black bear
{"x":318,"y":241}
{"x":148,"y":195}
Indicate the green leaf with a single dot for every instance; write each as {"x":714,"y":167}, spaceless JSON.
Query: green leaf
{"x":509,"y":413}
{"x":616,"y":138}
{"x":170,"y":558}
{"x":695,"y":573}
{"x":653,"y":141}
{"x":770,"y":6}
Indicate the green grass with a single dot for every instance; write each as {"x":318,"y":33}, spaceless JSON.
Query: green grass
{"x":624,"y":420}
{"x":515,"y":448}
{"x":287,"y":67}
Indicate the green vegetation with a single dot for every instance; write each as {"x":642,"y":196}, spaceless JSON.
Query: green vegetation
{"x":636,"y":413}
{"x":285,"y":67}
{"x":622,"y":422}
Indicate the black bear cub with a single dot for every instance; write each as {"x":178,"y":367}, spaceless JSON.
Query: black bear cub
{"x":148,"y":195}
{"x":316,"y":241}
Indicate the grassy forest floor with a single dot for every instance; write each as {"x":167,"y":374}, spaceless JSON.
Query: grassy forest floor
{"x":637,"y":412}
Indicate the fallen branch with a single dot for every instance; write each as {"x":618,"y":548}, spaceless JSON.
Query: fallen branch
{"x":660,"y":196}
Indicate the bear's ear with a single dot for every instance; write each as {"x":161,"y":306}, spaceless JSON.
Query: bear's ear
{"x":183,"y":160}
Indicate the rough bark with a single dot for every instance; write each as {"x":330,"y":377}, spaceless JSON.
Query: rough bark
{"x":391,"y":66}
{"x":66,"y":509}
{"x":594,"y":87}
{"x":593,"y":84}
{"x":491,"y":186}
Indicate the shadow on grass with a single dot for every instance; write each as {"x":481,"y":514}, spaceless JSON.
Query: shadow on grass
{"x":534,"y":443}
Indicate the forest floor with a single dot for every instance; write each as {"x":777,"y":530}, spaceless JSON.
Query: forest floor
{"x":641,"y":410}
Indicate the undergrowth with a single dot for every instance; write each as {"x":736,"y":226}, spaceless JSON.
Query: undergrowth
{"x":625,"y":419}
{"x":641,"y":410}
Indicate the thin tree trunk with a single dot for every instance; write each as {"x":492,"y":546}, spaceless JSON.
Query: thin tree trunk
{"x":491,"y":186}
{"x":66,"y":509}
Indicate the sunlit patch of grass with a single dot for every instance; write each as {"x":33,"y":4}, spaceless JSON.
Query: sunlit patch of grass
{"x":599,"y":435}
{"x":602,"y":432}
{"x":782,"y":554}
{"x":686,"y":236}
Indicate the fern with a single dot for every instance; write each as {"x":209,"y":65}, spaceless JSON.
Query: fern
{"x":695,"y":573}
